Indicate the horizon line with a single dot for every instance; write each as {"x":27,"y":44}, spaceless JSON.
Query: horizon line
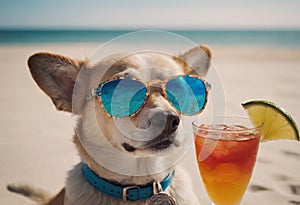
{"x":5,"y":28}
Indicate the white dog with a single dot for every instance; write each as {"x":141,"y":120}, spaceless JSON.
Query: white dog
{"x":104,"y":177}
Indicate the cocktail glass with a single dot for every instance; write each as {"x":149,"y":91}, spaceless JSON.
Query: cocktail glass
{"x":226,"y":149}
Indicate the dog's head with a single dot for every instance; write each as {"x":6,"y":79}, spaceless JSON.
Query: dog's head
{"x":156,"y":127}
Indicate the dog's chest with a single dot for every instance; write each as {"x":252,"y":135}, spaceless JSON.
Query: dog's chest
{"x":80,"y":192}
{"x":100,"y":199}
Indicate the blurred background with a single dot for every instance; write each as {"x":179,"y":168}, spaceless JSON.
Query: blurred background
{"x":256,"y":54}
{"x":268,"y":22}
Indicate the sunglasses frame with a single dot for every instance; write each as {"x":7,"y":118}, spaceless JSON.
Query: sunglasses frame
{"x":96,"y":92}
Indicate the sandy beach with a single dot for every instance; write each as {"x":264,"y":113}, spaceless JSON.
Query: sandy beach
{"x":36,"y":141}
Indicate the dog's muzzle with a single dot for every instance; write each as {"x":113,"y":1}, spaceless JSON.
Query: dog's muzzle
{"x":163,"y":140}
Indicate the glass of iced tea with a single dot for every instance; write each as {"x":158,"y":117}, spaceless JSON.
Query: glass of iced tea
{"x":226,"y":149}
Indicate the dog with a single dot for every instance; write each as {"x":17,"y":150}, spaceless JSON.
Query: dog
{"x":70,"y":82}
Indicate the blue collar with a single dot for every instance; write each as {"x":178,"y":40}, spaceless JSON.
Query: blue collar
{"x":126,"y":193}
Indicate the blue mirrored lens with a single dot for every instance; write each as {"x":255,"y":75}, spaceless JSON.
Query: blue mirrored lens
{"x":124,"y":97}
{"x":187,"y":94}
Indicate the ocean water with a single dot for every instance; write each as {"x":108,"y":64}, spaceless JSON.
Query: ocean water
{"x":271,"y":38}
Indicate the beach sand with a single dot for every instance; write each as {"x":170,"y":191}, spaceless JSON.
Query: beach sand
{"x":36,"y":141}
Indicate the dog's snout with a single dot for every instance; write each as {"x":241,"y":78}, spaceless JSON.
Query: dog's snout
{"x":172,"y":123}
{"x":167,"y":121}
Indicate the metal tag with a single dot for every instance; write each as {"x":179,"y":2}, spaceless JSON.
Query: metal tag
{"x":162,"y":199}
{"x":159,"y":197}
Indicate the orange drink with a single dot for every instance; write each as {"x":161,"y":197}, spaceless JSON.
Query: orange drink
{"x":226,"y":155}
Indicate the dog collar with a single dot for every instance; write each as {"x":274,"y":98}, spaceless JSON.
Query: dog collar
{"x":126,"y":193}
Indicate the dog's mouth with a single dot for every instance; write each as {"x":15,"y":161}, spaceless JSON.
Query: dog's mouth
{"x":163,"y":141}
{"x":128,"y":147}
{"x":161,"y":144}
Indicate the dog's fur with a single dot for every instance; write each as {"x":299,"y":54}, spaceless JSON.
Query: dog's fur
{"x":56,"y":76}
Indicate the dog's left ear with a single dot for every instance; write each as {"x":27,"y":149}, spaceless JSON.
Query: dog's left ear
{"x":56,"y":76}
{"x":198,"y":58}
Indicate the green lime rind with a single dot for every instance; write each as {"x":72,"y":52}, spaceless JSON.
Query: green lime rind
{"x":278,"y":110}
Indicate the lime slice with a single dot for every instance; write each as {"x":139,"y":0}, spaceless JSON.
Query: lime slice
{"x":277,"y":124}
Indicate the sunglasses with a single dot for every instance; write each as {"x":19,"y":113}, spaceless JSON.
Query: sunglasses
{"x":124,"y":97}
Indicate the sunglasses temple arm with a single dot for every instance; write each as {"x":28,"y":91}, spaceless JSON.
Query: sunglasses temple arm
{"x":92,"y":94}
{"x":208,"y":85}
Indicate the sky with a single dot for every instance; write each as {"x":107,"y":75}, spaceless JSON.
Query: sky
{"x":148,"y":14}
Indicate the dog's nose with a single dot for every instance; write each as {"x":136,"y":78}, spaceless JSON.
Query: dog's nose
{"x":172,"y":123}
{"x":167,"y":121}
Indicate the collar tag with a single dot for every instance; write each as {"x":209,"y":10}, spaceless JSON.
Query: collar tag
{"x":159,"y":197}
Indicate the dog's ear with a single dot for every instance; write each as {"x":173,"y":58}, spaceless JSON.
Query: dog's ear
{"x":56,"y":76}
{"x":198,"y":58}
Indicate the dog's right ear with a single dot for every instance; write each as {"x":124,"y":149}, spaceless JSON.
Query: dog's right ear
{"x":56,"y":76}
{"x":199,"y":59}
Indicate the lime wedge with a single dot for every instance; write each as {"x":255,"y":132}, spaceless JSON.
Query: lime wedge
{"x":277,"y":124}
